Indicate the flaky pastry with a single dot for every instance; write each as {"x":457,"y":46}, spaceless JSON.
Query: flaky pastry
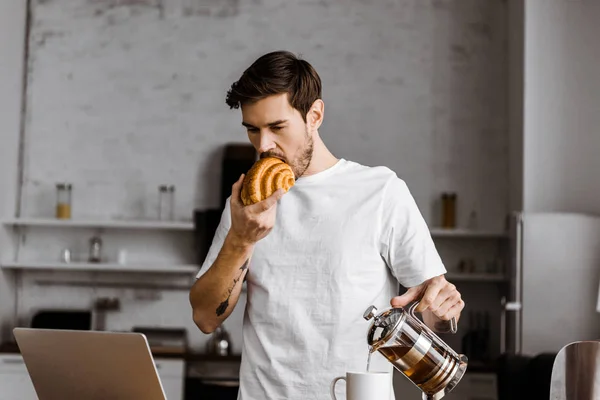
{"x":264,"y":178}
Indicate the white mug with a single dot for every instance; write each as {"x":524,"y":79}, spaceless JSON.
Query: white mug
{"x":365,"y":385}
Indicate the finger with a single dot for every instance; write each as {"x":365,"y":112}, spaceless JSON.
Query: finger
{"x":409,"y":296}
{"x":448,"y":290}
{"x":236,"y":190}
{"x":450,"y":301}
{"x":454,"y":311}
{"x":269,"y":202}
{"x":432,"y":291}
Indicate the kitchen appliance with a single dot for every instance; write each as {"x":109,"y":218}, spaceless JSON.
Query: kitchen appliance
{"x":553,"y":282}
{"x":219,"y":343}
{"x":205,"y":226}
{"x":415,"y":351}
{"x":62,"y":319}
{"x":576,"y":372}
{"x":238,"y":158}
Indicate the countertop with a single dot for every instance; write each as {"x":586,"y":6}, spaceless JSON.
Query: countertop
{"x":11,"y":347}
{"x":198,"y":358}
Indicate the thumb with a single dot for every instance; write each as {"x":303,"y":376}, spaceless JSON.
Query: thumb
{"x":411,"y":295}
{"x":270,"y":201}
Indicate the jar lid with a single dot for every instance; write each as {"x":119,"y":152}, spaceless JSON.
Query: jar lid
{"x":384,"y":326}
{"x":63,"y":186}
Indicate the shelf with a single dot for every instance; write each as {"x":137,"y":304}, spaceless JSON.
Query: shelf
{"x":466,"y":233}
{"x":475,"y":277}
{"x":57,"y":266}
{"x":115,"y":224}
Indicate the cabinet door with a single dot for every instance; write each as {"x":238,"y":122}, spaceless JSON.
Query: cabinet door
{"x":16,"y":387}
{"x":172,"y":375}
{"x":473,"y":386}
{"x":173,"y":388}
{"x":15,"y":383}
{"x":405,"y":389}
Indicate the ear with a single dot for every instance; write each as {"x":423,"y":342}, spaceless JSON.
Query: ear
{"x":314,"y":118}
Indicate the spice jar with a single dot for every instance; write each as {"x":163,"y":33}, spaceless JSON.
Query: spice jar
{"x":63,"y":200}
{"x":171,"y":201}
{"x":449,"y":210}
{"x":166,"y":202}
{"x":163,"y":202}
{"x":95,"y":249}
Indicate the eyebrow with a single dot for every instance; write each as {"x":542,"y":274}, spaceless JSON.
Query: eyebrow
{"x":270,"y":124}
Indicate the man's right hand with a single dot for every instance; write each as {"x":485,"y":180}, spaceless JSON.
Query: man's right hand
{"x":249,"y":224}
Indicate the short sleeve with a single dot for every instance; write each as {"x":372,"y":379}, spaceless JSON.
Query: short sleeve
{"x":406,"y":243}
{"x":218,"y":240}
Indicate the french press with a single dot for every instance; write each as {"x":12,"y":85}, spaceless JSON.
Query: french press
{"x":417,"y":352}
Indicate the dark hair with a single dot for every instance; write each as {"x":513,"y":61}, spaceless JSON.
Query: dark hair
{"x":275,"y":73}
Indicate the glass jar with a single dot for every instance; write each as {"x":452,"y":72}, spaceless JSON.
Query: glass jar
{"x":166,"y":202}
{"x":171,"y":201}
{"x":449,"y":210}
{"x":63,"y":200}
{"x":95,"y":250}
{"x":163,"y":202}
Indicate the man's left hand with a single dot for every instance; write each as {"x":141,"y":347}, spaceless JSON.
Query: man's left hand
{"x":438,"y":298}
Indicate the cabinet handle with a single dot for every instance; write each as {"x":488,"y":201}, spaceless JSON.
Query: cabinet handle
{"x":12,"y":361}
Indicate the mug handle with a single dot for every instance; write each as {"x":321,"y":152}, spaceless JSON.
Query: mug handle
{"x":332,"y":388}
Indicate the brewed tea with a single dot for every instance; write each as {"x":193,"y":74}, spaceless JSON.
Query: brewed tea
{"x":430,"y":374}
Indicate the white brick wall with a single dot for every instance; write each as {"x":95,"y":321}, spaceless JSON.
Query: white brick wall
{"x":124,"y":97}
{"x":12,"y":23}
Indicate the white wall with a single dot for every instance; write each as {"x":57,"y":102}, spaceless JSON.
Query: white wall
{"x":12,"y":32}
{"x":123,"y":97}
{"x":562,"y":103}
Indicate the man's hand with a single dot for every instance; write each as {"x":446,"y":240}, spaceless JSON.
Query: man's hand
{"x":439,"y":301}
{"x":249,"y":224}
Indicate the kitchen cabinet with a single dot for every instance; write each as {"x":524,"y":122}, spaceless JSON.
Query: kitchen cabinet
{"x":15,"y":383}
{"x":473,"y":386}
{"x":172,"y":375}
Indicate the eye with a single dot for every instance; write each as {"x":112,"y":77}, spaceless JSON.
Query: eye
{"x":277,"y":128}
{"x":252,"y":130}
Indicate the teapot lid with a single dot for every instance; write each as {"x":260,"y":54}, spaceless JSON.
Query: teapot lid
{"x":384,"y":326}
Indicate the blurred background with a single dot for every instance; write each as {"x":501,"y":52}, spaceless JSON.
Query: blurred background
{"x":117,"y":151}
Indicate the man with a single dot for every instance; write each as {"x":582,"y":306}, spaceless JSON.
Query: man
{"x":318,"y":256}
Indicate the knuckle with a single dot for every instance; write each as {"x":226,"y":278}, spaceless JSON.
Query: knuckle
{"x":427,"y":300}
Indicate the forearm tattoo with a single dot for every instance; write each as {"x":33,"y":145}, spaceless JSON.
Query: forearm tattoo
{"x":225,"y":304}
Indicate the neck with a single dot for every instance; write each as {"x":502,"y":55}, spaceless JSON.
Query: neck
{"x":322,"y":158}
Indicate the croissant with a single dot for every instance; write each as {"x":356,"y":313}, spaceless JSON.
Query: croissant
{"x":264,"y":178}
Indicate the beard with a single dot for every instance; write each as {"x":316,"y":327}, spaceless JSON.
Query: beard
{"x":301,"y":162}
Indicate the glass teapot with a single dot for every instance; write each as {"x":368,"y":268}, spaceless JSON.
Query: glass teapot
{"x":413,"y":349}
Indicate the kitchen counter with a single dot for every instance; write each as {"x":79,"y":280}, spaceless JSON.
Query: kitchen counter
{"x":11,"y":347}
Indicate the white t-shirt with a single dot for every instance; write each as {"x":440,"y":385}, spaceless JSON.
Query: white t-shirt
{"x":342,"y":240}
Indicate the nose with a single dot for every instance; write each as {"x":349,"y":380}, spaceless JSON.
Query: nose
{"x":265,"y":143}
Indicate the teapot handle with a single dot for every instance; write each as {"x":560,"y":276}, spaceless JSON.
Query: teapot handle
{"x":411,"y":311}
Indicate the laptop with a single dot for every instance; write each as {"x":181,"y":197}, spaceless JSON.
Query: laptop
{"x":91,"y":365}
